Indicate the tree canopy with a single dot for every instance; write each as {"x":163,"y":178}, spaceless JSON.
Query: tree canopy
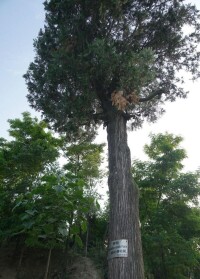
{"x":91,"y":55}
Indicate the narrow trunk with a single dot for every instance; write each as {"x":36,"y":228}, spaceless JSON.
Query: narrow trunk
{"x":124,"y":208}
{"x":87,"y":237}
{"x":20,"y":258}
{"x":48,"y":264}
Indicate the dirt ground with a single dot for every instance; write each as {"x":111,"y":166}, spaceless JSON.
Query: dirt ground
{"x":29,"y":263}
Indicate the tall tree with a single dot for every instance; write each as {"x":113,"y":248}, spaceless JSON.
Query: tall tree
{"x":110,"y":62}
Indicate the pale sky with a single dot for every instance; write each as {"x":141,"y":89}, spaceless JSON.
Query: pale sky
{"x":20,"y":21}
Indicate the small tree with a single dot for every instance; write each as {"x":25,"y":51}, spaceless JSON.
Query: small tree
{"x":169,"y":211}
{"x":31,"y":149}
{"x":109,"y":62}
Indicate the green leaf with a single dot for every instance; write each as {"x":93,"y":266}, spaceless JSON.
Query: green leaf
{"x":75,"y":229}
{"x":84,"y":226}
{"x":63,"y":231}
{"x":78,"y":241}
{"x":31,"y":212}
{"x":28,"y":225}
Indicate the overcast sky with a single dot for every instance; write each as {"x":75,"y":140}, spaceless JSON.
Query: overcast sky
{"x":20,"y":21}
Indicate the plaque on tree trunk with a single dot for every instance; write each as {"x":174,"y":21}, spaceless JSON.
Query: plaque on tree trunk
{"x":118,"y":248}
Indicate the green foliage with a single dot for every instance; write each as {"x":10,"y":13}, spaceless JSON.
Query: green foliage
{"x":89,"y":49}
{"x":169,"y":211}
{"x":85,"y":160}
{"x":48,"y":214}
{"x":41,"y":202}
{"x":30,"y":151}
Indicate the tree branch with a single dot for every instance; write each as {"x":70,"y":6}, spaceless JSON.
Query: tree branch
{"x":159,"y":92}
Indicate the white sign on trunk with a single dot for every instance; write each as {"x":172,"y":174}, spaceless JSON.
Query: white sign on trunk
{"x":118,"y":248}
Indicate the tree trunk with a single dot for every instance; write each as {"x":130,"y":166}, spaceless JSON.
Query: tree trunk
{"x":87,"y":236}
{"x":20,"y":258}
{"x":48,"y":264}
{"x":124,"y":205}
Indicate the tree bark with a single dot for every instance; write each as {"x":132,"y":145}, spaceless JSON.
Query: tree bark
{"x":124,"y":205}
